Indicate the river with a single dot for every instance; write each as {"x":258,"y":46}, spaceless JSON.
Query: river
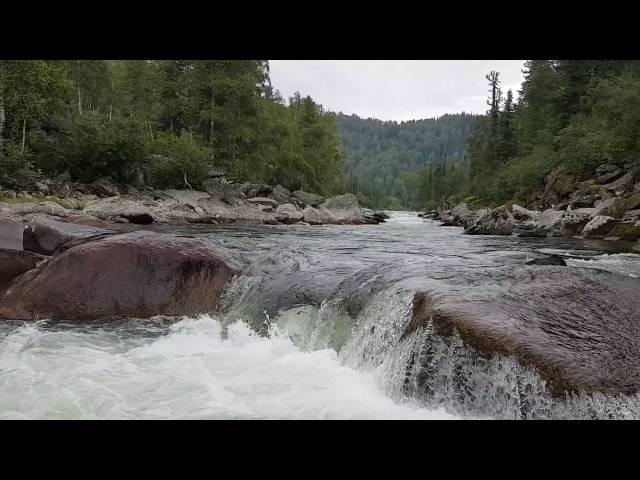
{"x":310,"y":332}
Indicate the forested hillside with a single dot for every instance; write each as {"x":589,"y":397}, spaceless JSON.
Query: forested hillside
{"x":571,"y":116}
{"x":161,"y":123}
{"x":387,"y":161}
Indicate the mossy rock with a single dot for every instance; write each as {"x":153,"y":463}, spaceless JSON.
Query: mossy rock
{"x":632,"y":202}
{"x":628,"y":231}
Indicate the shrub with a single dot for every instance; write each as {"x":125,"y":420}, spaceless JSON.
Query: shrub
{"x":172,"y":158}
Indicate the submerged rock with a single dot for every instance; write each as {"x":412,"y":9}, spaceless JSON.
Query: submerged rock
{"x":550,"y":260}
{"x":139,"y":275}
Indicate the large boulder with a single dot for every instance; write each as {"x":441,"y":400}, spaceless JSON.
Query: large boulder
{"x":103,"y":187}
{"x":305,"y":198}
{"x":577,"y":327}
{"x":288,"y":213}
{"x":345,"y":209}
{"x":610,"y":176}
{"x":255,"y":189}
{"x":135,"y":275}
{"x":498,"y":221}
{"x":598,"y":227}
{"x":612,"y":207}
{"x":216,"y":211}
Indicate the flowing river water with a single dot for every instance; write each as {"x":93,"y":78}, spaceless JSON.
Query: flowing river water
{"x":310,"y":331}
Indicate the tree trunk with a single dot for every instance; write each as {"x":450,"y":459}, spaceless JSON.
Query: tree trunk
{"x":212,"y":123}
{"x":79,"y":95}
{"x":24,"y":132}
{"x":113,"y":93}
{"x":2,"y":118}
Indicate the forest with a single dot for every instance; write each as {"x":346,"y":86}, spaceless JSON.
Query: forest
{"x":161,"y":123}
{"x":570,"y":117}
{"x":387,"y":162}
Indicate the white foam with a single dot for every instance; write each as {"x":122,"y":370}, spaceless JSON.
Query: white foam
{"x":192,"y":372}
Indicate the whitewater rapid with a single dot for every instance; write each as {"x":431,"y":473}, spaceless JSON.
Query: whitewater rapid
{"x":191,"y":372}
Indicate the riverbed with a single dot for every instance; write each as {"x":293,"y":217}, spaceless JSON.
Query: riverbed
{"x":299,"y":337}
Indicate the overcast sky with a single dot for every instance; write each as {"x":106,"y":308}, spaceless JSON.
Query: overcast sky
{"x":395,"y":89}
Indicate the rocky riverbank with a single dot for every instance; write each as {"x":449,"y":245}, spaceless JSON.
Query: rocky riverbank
{"x":606,"y":208}
{"x":221,"y":203}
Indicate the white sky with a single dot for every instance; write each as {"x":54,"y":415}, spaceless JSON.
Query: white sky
{"x":395,"y":89}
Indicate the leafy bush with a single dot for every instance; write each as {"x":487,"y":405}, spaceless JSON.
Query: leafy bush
{"x":97,"y":148}
{"x":16,"y":167}
{"x":172,"y":158}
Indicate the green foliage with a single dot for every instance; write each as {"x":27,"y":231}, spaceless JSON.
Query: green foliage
{"x":169,"y":118}
{"x":172,"y":158}
{"x":97,"y":148}
{"x":574,"y":114}
{"x":16,"y":167}
{"x":387,"y":161}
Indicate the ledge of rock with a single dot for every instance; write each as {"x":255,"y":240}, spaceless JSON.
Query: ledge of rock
{"x":571,"y":325}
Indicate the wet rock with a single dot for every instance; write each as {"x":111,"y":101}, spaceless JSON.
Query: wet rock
{"x":499,"y":221}
{"x":535,"y":232}
{"x":549,"y":260}
{"x":46,"y":236}
{"x":598,"y":227}
{"x":288,"y":213}
{"x":372,"y":217}
{"x":135,"y":275}
{"x":14,"y":262}
{"x":305,"y":198}
{"x":568,"y":324}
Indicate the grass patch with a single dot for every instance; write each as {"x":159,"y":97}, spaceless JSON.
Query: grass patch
{"x":68,"y":203}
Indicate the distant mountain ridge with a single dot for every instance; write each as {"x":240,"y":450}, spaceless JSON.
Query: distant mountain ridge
{"x":380,"y":153}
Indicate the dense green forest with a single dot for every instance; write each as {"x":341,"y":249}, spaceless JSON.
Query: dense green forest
{"x":391,"y":164}
{"x":162,"y":124}
{"x":570,"y":117}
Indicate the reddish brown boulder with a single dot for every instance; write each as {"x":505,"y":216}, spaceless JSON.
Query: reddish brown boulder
{"x":139,"y":274}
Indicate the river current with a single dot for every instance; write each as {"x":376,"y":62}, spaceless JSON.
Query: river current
{"x":309,"y":332}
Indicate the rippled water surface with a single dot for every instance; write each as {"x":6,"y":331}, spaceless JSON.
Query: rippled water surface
{"x":297,"y":339}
